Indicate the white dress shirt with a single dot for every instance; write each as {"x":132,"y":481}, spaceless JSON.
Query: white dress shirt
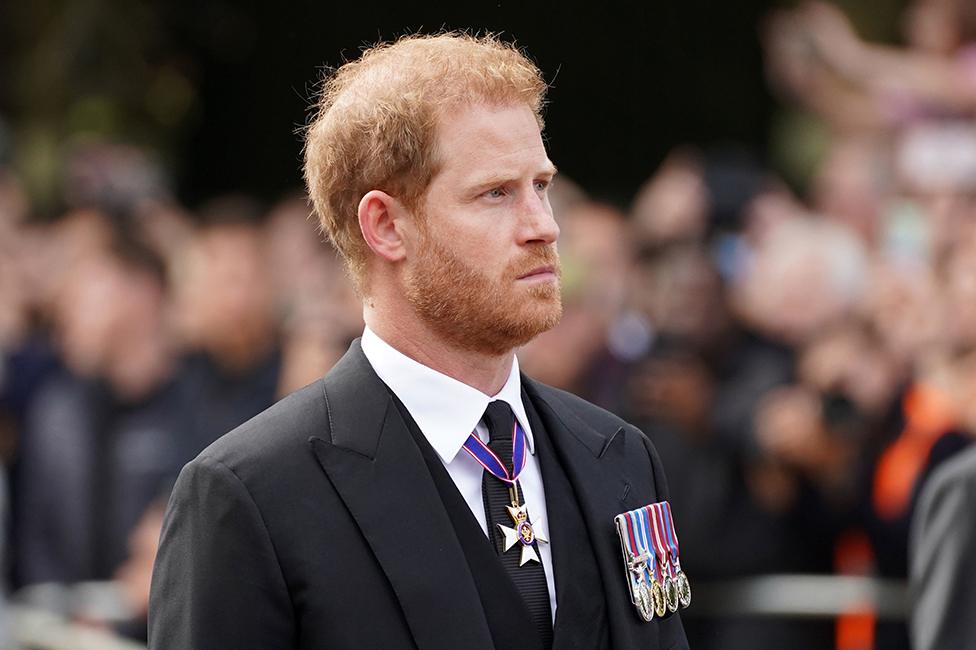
{"x":447,"y":411}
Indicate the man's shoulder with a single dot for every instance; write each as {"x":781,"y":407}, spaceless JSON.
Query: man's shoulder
{"x":566,"y":403}
{"x":599,"y":429}
{"x":275,"y":437}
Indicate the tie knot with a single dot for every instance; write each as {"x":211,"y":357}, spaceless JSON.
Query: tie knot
{"x":499,"y":419}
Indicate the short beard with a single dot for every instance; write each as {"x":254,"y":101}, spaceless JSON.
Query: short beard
{"x":476,"y":313}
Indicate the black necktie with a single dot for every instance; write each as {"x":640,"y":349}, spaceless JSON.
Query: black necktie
{"x":530,"y":578}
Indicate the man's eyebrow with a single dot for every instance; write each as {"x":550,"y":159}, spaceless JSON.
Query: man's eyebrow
{"x":501,"y":179}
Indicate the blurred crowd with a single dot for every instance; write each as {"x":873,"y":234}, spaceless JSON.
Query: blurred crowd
{"x":133,"y":334}
{"x":802,"y":354}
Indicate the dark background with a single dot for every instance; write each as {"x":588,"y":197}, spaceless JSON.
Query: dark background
{"x":628,"y":82}
{"x":221,"y":89}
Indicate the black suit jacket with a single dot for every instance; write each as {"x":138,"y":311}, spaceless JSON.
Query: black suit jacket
{"x":317,"y":525}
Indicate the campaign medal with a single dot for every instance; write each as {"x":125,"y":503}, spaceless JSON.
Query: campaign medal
{"x":658,"y":600}
{"x":638,"y":562}
{"x":659,"y":532}
{"x":671,"y":594}
{"x":644,"y":604}
{"x":522,"y":532}
{"x":652,"y":515}
{"x":660,"y":603}
{"x":681,"y":580}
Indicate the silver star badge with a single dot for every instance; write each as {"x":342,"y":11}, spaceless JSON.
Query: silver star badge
{"x":523,"y":533}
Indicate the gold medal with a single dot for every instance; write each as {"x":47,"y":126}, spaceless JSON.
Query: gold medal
{"x":657,"y":596}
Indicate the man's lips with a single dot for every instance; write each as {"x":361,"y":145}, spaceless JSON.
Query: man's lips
{"x":540,"y":273}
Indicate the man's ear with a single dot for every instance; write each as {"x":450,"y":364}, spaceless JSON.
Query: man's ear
{"x":379,"y":214}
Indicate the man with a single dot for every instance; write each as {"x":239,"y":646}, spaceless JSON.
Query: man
{"x":356,"y":513}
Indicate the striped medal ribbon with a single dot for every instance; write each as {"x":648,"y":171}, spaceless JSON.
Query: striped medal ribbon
{"x":659,"y":535}
{"x":639,"y":562}
{"x":681,"y":580}
{"x":492,"y":464}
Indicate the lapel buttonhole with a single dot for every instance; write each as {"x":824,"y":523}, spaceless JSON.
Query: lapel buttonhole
{"x":609,"y":442}
{"x":625,"y":493}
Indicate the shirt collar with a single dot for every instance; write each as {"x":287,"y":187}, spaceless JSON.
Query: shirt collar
{"x":445,"y":409}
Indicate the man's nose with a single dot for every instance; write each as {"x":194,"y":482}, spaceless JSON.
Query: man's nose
{"x":538,"y":224}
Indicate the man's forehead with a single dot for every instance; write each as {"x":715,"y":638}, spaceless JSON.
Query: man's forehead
{"x":481,"y":140}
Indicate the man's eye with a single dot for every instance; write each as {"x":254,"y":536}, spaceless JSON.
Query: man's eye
{"x":541,"y":186}
{"x":495,"y":193}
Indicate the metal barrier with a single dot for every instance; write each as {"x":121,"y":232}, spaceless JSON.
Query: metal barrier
{"x":35,"y":629}
{"x":42,"y":617}
{"x":800,"y":596}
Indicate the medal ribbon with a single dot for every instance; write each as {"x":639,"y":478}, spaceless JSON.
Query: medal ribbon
{"x":672,"y":535}
{"x":646,"y":541}
{"x":487,"y":458}
{"x":658,"y":535}
{"x":631,"y":537}
{"x":636,"y":533}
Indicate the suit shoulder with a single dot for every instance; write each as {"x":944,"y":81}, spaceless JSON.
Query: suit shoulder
{"x":606,"y":423}
{"x":279,"y":432}
{"x":597,"y":417}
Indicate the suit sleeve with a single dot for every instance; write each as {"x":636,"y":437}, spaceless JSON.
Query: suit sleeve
{"x":943,"y":565}
{"x":216,"y":581}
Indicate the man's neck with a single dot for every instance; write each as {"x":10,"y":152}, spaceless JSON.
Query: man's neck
{"x":487,"y":373}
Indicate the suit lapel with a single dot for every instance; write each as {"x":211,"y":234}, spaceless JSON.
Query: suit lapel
{"x":581,"y":613}
{"x":378,"y":471}
{"x":598,"y":470}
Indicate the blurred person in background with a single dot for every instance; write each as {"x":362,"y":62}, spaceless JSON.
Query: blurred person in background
{"x":915,"y":310}
{"x":674,"y":204}
{"x":226,"y":321}
{"x":102,"y":439}
{"x":770,"y":450}
{"x":315,"y":301}
{"x":23,"y":354}
{"x":802,"y":275}
{"x":852,"y":185}
{"x":37,"y":262}
{"x":815,"y":56}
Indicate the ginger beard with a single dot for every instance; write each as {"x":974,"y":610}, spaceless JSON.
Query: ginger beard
{"x":476,"y":312}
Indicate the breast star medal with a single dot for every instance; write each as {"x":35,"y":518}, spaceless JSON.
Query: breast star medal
{"x":523,"y":533}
